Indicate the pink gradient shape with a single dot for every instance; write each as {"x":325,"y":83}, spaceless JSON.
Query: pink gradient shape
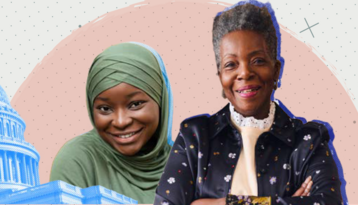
{"x":52,"y":98}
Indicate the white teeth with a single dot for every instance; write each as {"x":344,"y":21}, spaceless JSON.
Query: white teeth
{"x":247,"y":91}
{"x":127,"y":135}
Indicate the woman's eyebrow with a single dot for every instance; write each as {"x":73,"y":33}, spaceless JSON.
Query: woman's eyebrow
{"x":102,"y":98}
{"x":257,"y":52}
{"x":230,"y":54}
{"x":133,"y":94}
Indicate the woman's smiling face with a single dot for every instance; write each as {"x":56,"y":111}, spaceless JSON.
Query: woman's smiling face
{"x":125,"y":117}
{"x":247,"y":72}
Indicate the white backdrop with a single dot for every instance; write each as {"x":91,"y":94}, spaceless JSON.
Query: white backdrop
{"x":31,"y":29}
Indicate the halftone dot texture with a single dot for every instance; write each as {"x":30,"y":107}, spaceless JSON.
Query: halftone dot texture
{"x":52,"y":99}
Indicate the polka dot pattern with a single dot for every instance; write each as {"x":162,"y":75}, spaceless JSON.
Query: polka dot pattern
{"x":52,"y":98}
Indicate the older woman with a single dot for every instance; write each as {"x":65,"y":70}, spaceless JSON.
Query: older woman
{"x":130,"y":106}
{"x":251,"y":147}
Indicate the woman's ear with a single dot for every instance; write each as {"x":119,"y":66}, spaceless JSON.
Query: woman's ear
{"x":277,"y":67}
{"x":222,"y":92}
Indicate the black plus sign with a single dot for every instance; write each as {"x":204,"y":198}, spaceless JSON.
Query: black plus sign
{"x":309,"y":27}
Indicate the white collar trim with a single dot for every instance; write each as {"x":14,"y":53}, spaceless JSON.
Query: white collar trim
{"x":242,"y":121}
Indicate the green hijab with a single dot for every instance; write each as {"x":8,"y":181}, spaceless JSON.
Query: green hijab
{"x":88,"y":160}
{"x":135,"y":65}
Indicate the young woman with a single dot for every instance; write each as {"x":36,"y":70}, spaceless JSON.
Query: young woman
{"x":130,"y":106}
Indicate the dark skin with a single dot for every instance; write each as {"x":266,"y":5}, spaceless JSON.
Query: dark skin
{"x":247,"y":75}
{"x":125,"y":117}
{"x":246,"y":62}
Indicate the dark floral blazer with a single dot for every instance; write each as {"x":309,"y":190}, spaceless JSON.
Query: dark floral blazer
{"x":204,"y":156}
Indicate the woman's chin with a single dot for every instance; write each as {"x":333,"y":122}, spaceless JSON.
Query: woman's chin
{"x":256,"y":107}
{"x":128,"y":151}
{"x":249,"y":109}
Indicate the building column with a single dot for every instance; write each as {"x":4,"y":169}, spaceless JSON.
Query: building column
{"x":2,"y":168}
{"x":11,"y":176}
{"x":8,"y":128}
{"x":37,"y":173}
{"x":24,"y":171}
{"x":28,"y":178}
{"x":36,"y":176}
{"x":18,"y":168}
{"x":2,"y":129}
{"x":31,"y":172}
{"x":6,"y":170}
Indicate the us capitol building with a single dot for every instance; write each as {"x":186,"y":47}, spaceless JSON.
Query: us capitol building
{"x":19,"y":170}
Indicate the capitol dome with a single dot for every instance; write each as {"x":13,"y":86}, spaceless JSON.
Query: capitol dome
{"x":18,"y":159}
{"x":3,"y":97}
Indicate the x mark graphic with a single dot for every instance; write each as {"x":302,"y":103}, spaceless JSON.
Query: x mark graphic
{"x":309,"y":27}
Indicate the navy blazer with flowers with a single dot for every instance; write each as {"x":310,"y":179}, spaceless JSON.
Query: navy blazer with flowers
{"x":204,"y":156}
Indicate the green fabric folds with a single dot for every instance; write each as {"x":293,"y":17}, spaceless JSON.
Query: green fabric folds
{"x":87,"y":160}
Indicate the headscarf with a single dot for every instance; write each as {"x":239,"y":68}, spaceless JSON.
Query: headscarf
{"x":140,"y":66}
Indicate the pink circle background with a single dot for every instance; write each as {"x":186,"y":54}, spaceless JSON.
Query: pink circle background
{"x":52,"y":99}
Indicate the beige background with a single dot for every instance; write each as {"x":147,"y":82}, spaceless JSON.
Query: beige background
{"x":52,"y":99}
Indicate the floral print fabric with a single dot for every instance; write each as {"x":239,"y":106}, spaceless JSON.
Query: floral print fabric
{"x":206,"y":151}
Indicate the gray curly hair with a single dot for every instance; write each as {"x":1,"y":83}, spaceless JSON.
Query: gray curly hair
{"x":245,"y":17}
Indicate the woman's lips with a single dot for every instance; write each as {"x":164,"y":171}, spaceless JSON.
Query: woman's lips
{"x":248,"y":91}
{"x":128,"y":137}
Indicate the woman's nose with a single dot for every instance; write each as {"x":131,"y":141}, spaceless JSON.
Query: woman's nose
{"x":245,"y":72}
{"x":121,"y":120}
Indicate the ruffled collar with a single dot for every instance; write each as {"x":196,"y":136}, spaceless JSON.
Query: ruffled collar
{"x":242,"y":121}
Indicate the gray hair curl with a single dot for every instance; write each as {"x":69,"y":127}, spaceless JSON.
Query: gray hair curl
{"x":244,"y":17}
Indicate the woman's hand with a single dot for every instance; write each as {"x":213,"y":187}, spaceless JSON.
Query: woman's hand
{"x":220,"y":201}
{"x":305,"y":188}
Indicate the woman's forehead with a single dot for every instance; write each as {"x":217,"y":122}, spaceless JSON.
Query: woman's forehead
{"x":242,"y":41}
{"x":122,"y":90}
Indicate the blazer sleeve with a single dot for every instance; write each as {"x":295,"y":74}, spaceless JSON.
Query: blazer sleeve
{"x":323,"y":170}
{"x":177,"y":184}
